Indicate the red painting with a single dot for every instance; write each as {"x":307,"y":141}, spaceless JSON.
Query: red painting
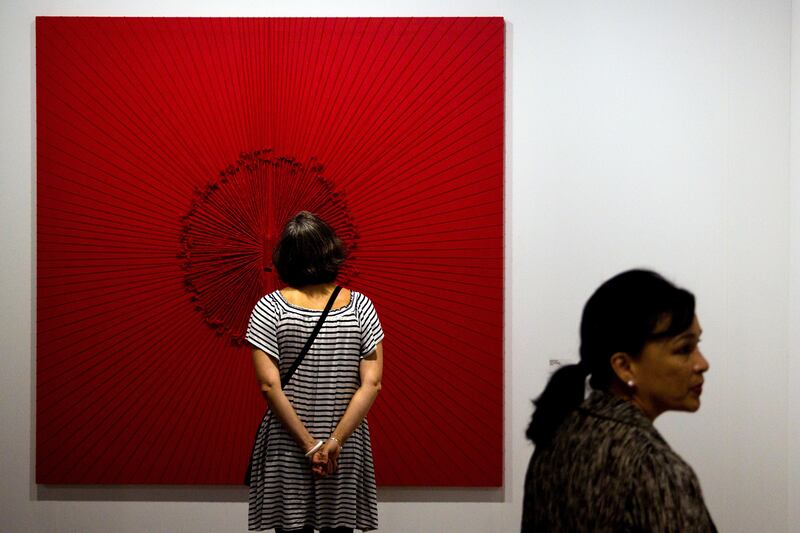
{"x":169,"y":154}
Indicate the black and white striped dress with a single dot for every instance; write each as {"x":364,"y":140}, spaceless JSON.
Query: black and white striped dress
{"x":283,"y":491}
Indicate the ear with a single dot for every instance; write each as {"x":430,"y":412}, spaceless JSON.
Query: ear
{"x":622,"y":365}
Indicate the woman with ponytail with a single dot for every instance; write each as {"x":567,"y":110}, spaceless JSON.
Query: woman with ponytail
{"x":599,"y":464}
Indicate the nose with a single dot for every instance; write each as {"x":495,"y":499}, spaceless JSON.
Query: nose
{"x":701,"y":364}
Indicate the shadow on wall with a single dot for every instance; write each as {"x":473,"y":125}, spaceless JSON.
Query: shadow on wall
{"x":175,"y":493}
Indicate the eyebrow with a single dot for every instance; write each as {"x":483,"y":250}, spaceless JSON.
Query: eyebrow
{"x":688,"y":334}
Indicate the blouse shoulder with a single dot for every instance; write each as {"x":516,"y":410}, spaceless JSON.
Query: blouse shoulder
{"x":667,"y":494}
{"x":657,"y":461}
{"x":262,"y":328}
{"x":368,"y":321}
{"x":270,"y":302}
{"x":361,"y":302}
{"x":358,"y":296}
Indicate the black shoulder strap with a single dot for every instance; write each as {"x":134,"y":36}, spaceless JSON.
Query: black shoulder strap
{"x":285,"y":379}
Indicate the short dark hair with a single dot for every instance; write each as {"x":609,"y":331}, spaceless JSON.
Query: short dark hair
{"x":623,"y":314}
{"x":308,"y":252}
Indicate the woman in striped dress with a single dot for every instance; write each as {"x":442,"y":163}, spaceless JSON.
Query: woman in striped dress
{"x":312,"y":461}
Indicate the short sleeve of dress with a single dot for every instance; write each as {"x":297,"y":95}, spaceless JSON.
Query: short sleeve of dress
{"x":262,"y":330}
{"x":370,"y":325}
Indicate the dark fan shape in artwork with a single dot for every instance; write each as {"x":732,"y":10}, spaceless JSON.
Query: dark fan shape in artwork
{"x":171,"y":151}
{"x":233,"y":225}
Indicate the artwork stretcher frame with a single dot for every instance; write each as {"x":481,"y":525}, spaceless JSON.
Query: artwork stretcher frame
{"x":169,"y":154}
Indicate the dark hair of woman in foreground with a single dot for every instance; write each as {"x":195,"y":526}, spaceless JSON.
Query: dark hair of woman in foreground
{"x":599,"y":463}
{"x":312,"y":466}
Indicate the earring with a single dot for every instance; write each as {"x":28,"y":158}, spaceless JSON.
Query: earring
{"x":631,"y":384}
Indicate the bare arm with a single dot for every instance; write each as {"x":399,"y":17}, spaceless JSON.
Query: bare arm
{"x":269,"y":377}
{"x":371,"y":371}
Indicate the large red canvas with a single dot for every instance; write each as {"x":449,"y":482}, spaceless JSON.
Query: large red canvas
{"x":169,"y":153}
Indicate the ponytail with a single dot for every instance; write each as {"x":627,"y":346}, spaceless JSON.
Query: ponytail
{"x":562,"y":395}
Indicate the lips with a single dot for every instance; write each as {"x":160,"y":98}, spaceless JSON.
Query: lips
{"x":697,"y":389}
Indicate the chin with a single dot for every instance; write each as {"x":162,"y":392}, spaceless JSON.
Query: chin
{"x":692,"y":405}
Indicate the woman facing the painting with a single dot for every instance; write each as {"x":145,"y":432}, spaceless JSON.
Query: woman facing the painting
{"x":318,"y":355}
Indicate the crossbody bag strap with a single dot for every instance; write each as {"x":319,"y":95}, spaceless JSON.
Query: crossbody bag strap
{"x":285,"y":379}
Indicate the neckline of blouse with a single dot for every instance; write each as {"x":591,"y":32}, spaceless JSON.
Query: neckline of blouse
{"x":309,"y":310}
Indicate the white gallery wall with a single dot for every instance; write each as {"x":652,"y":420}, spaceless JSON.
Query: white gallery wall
{"x":660,"y":134}
{"x":794,"y":316}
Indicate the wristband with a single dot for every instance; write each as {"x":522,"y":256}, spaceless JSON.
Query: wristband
{"x":337,"y":440}
{"x":316,"y":447}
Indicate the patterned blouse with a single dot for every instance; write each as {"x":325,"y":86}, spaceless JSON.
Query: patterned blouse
{"x":609,"y":470}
